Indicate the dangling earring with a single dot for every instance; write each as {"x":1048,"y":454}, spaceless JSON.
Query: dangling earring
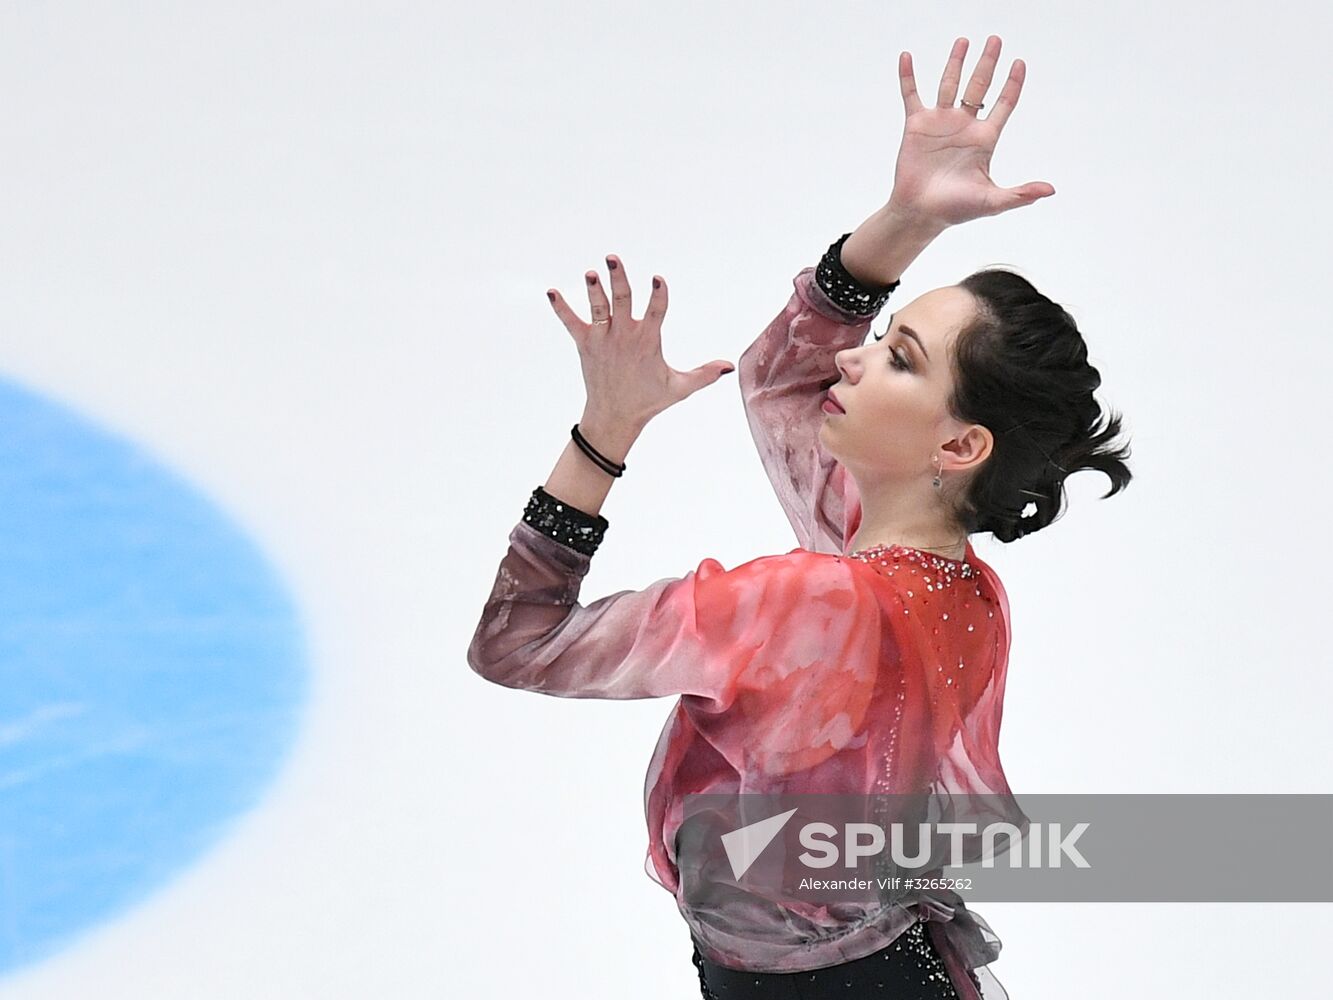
{"x":937,"y":482}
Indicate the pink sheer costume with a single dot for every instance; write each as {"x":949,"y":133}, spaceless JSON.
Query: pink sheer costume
{"x":810,"y":672}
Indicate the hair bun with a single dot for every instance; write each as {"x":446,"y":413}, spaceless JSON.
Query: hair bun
{"x":1021,"y":365}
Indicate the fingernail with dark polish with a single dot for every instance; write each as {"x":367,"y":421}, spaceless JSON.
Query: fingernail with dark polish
{"x":656,"y":283}
{"x":551,"y":296}
{"x":610,"y":263}
{"x":592,"y":279}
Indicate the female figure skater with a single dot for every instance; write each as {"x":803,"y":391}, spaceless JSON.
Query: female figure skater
{"x":870,"y":660}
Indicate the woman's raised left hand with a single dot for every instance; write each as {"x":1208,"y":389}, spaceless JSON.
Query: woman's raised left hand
{"x":627,"y":380}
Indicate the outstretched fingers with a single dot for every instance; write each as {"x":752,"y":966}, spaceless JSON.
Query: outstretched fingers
{"x":953,"y":73}
{"x":1006,"y":199}
{"x":982,"y":75}
{"x":907,"y":82}
{"x":618,"y":308}
{"x":621,"y":296}
{"x":1004,"y":104}
{"x":657,"y":302}
{"x":577,"y":328}
{"x":601,"y":309}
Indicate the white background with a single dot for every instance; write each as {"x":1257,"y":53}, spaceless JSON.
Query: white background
{"x":300,"y":251}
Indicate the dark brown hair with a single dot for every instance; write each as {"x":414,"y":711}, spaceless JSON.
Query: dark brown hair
{"x":1021,"y":369}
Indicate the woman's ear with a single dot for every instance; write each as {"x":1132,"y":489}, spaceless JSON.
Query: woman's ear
{"x":970,"y":448}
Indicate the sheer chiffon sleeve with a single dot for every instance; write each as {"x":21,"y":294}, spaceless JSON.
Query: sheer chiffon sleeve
{"x":801,"y":672}
{"x":796,"y":628}
{"x":783,"y":376}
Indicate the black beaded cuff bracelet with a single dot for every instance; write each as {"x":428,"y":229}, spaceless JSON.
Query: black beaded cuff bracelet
{"x":567,"y":525}
{"x":845,"y":291}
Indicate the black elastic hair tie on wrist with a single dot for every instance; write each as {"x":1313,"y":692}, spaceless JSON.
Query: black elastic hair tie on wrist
{"x":611,"y":468}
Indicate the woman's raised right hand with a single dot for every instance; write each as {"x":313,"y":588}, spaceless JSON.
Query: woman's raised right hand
{"x":942,"y":175}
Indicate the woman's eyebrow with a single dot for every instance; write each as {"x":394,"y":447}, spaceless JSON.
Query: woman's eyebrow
{"x":907,"y":331}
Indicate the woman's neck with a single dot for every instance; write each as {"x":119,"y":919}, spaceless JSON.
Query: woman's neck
{"x":956,"y":552}
{"x":892,"y":514}
{"x":948,"y":540}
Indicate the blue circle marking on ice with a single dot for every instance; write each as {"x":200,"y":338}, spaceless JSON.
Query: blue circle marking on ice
{"x":152,"y":668}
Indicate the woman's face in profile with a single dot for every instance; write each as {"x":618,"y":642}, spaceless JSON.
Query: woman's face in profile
{"x":894,"y":390}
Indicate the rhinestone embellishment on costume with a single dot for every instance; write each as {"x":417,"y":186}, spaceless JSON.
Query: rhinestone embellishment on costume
{"x":945,"y":570}
{"x":577,"y":529}
{"x":910,"y":962}
{"x":938,"y":573}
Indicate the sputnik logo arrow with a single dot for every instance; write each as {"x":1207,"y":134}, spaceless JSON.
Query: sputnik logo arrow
{"x":743,"y":846}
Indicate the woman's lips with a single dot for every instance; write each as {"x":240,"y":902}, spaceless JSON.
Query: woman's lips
{"x":830,"y":404}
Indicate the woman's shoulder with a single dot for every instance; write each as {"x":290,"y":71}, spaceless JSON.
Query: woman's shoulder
{"x":907,"y":576}
{"x":896,"y":576}
{"x":801,"y":567}
{"x":807,"y":568}
{"x":792,"y":584}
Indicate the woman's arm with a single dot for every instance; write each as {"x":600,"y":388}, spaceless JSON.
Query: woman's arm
{"x":533,"y":633}
{"x":577,"y":479}
{"x":626,"y":379}
{"x":941,"y":178}
{"x":799,"y":626}
{"x":882,"y":247}
{"x":784,"y":373}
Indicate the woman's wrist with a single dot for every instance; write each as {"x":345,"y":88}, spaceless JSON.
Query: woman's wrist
{"x":883,"y":246}
{"x":580,"y":481}
{"x":611,"y":435}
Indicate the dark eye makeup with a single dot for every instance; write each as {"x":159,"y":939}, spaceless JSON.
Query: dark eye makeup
{"x":898,"y":360}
